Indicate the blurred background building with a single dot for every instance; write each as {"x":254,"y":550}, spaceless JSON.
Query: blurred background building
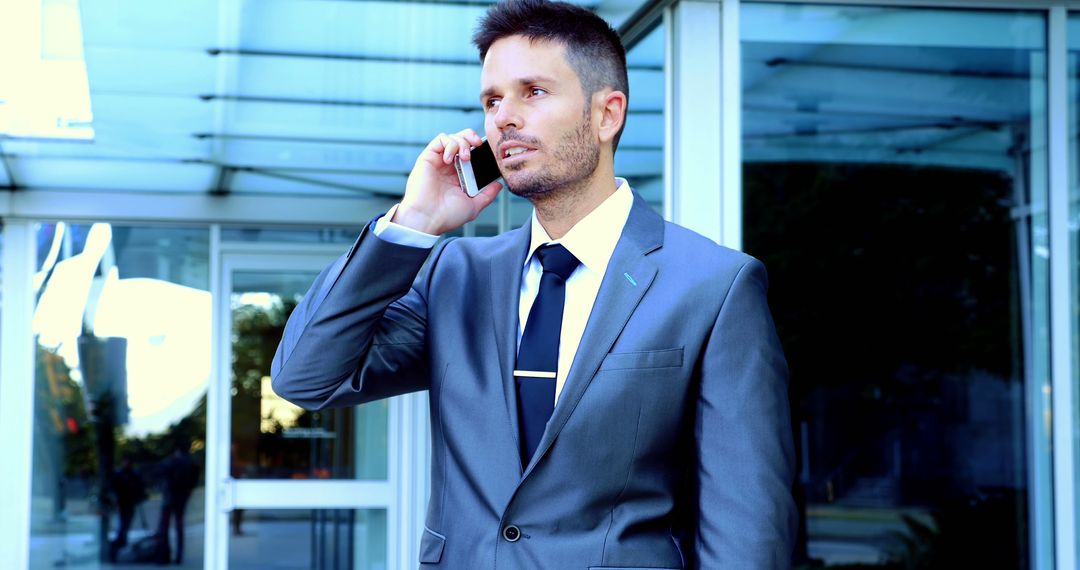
{"x":174,"y":174}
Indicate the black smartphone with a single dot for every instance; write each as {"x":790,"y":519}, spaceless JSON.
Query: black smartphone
{"x":479,"y":171}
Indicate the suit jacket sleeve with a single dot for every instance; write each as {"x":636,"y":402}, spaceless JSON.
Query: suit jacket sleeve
{"x":359,"y":334}
{"x":746,"y":514}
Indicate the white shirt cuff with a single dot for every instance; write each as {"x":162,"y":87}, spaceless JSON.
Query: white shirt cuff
{"x":401,"y":235}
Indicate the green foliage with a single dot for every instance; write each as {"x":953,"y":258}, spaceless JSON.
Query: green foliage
{"x":61,"y":422}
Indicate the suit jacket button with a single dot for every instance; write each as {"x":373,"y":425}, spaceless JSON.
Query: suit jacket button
{"x":511,"y":533}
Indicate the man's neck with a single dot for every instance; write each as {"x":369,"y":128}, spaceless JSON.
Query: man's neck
{"x":560,"y":211}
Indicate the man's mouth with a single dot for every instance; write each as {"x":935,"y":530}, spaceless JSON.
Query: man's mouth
{"x":515,"y":153}
{"x":512,"y":150}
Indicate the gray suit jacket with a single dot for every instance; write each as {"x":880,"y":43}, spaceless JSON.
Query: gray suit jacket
{"x":670,"y":445}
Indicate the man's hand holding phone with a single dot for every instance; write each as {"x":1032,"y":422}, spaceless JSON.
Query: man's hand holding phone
{"x":434,"y":201}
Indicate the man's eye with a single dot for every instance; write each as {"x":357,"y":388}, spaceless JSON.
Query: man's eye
{"x":537,"y":91}
{"x":491,"y":103}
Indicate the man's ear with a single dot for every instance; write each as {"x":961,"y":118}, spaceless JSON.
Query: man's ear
{"x":612,"y":108}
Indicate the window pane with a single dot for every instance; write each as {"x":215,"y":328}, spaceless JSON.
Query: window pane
{"x":305,"y":539}
{"x":279,"y":235}
{"x":1074,"y":230}
{"x":122,"y":325}
{"x":272,"y":438}
{"x":895,"y":187}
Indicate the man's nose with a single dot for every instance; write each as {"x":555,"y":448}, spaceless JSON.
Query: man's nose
{"x":507,"y":116}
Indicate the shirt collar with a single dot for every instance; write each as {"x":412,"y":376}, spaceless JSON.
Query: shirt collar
{"x":592,"y":240}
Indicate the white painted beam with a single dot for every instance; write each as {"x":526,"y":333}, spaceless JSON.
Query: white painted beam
{"x":17,"y":392}
{"x":693,"y":118}
{"x":189,"y":208}
{"x":1062,"y":298}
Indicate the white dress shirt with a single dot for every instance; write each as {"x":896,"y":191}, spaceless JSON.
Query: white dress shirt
{"x":592,"y":241}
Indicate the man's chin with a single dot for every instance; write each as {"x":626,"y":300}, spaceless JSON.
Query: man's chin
{"x":527,"y":188}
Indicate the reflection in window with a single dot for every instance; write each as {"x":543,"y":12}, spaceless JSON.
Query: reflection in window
{"x":273,"y":438}
{"x":122,"y":325}
{"x":282,"y":235}
{"x":305,"y":539}
{"x":894,"y":185}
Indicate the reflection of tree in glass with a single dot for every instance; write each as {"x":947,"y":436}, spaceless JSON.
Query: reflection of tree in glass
{"x":255,"y":330}
{"x":63,"y":443}
{"x":65,"y":452}
{"x":263,"y":449}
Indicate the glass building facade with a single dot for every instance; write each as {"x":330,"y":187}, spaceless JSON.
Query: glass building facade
{"x":908,"y":172}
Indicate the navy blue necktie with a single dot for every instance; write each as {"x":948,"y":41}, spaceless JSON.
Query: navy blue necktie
{"x":538,"y":353}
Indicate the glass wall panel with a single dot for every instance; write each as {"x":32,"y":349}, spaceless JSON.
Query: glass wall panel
{"x":272,"y":438}
{"x":122,"y":324}
{"x":1074,"y":232}
{"x":310,"y":540}
{"x":895,"y":186}
{"x":640,"y":156}
{"x":290,"y":235}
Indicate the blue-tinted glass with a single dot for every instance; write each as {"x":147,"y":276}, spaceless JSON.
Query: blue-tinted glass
{"x":894,"y":186}
{"x":272,"y":438}
{"x":123,"y":337}
{"x":306,"y":539}
{"x":280,"y":235}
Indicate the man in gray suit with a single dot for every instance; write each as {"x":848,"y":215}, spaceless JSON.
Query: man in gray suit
{"x":607,"y":389}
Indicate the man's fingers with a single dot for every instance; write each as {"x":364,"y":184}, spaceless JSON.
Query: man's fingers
{"x":471,"y":137}
{"x":450,"y":148}
{"x":436,"y":145}
{"x":457,"y":144}
{"x":487,"y":195}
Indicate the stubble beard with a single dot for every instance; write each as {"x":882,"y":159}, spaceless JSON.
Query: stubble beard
{"x":578,"y":159}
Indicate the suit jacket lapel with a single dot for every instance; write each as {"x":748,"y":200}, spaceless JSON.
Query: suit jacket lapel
{"x":504,"y":267}
{"x":617,"y":299}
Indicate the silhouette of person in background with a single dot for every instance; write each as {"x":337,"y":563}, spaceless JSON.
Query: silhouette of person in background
{"x":236,"y":471}
{"x":129,"y":489}
{"x":181,"y":477}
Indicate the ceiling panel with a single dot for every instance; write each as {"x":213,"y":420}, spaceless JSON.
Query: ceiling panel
{"x":322,"y":92}
{"x":156,"y":113}
{"x":413,"y":29}
{"x":630,"y":162}
{"x":343,"y":183}
{"x":887,"y":26}
{"x":256,"y":183}
{"x":271,"y":154}
{"x":643,"y":130}
{"x":155,"y":25}
{"x":136,"y":145}
{"x":339,"y":121}
{"x":885,"y":91}
{"x":647,"y":89}
{"x":359,"y":81}
{"x":178,"y":73}
{"x":649,"y":51}
{"x":112,"y":175}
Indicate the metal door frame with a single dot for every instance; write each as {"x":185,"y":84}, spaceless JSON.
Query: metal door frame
{"x":223,"y":494}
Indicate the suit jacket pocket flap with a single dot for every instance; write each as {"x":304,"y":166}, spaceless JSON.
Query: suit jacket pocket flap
{"x":431,"y":547}
{"x":667,"y":358}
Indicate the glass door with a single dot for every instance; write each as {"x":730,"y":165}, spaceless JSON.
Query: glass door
{"x":292,"y":488}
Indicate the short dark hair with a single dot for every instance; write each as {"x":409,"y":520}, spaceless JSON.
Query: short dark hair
{"x":593,"y":48}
